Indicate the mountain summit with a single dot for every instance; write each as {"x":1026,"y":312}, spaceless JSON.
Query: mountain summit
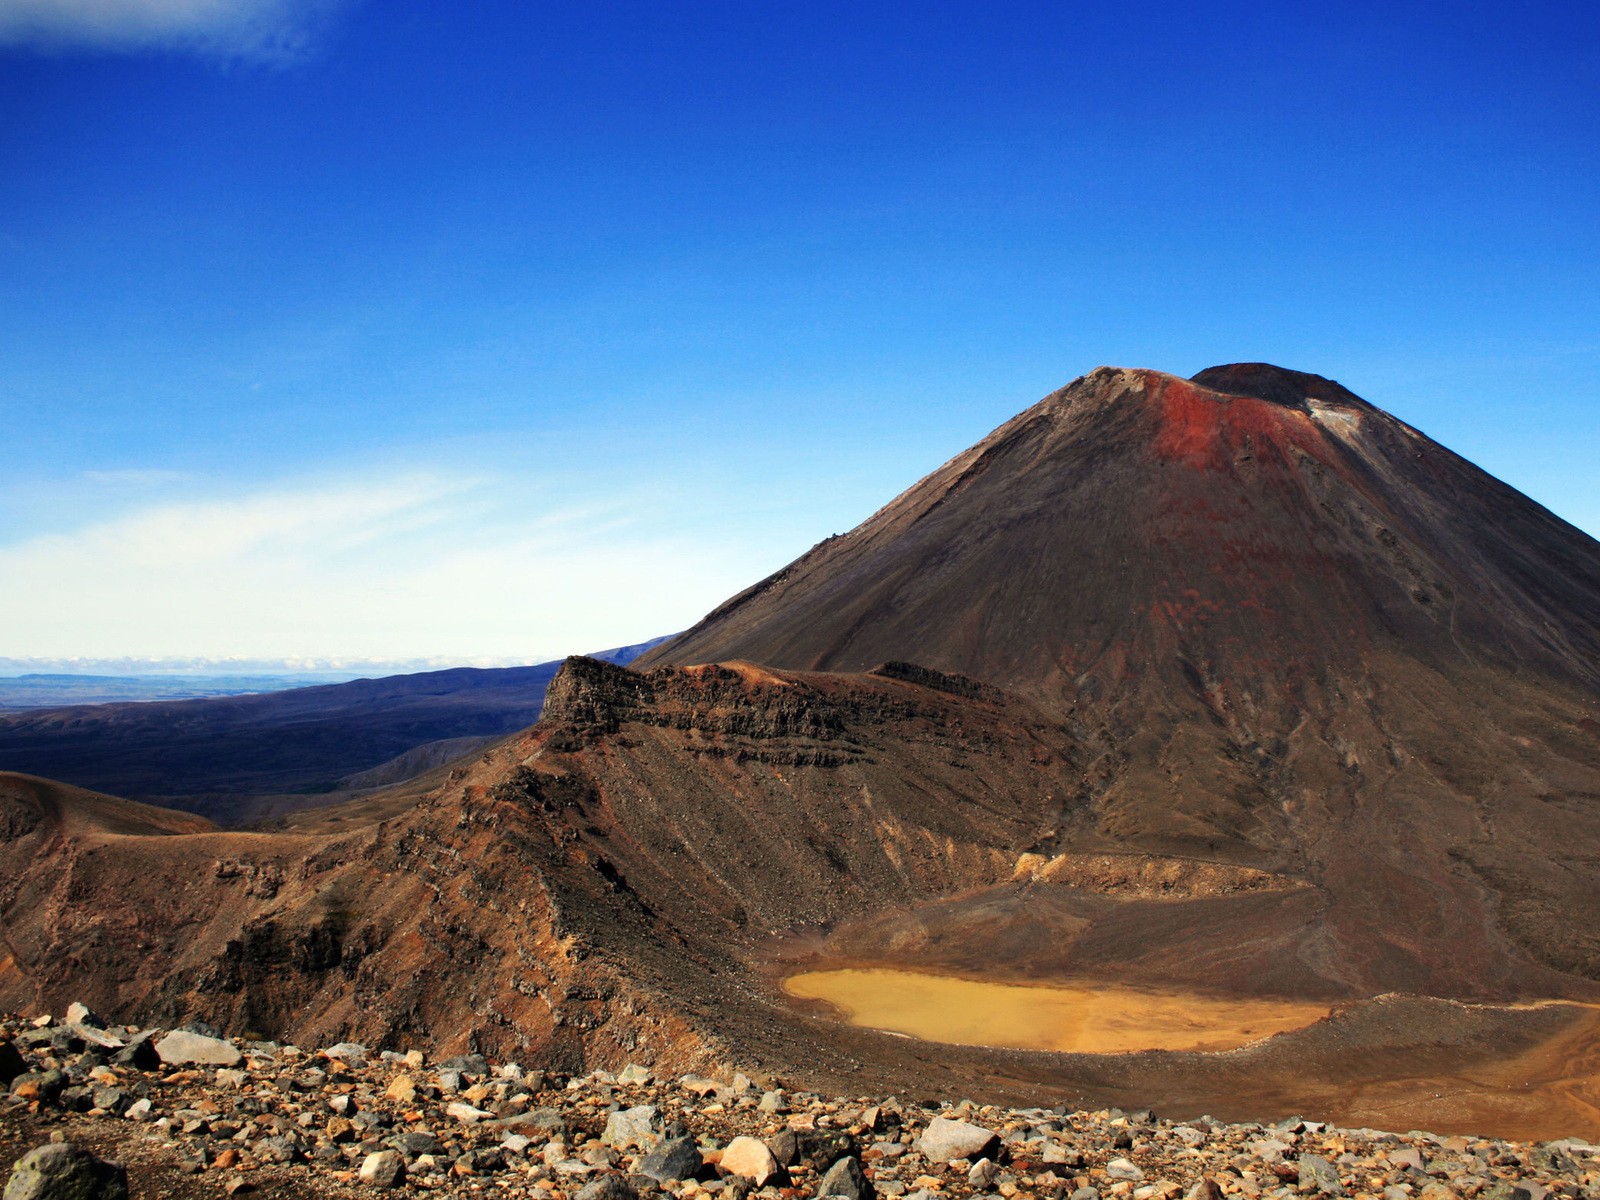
{"x":1265,"y":518}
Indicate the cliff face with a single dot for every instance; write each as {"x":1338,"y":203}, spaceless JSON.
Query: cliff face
{"x":581,"y":891}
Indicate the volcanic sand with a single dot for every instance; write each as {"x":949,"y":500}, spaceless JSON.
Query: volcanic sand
{"x":1102,"y":1019}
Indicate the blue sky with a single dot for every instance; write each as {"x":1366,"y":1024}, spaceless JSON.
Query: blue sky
{"x":491,"y":332}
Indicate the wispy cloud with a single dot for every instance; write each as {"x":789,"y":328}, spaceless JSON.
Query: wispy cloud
{"x":441,"y":565}
{"x":274,"y":31}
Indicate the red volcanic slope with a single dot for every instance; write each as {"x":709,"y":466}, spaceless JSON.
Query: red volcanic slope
{"x":1251,"y":514}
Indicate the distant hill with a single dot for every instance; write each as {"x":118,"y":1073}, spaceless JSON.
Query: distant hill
{"x":40,"y":689}
{"x":303,"y":740}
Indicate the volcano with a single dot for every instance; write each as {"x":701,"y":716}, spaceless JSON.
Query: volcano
{"x":1235,"y":688}
{"x":1286,"y":629}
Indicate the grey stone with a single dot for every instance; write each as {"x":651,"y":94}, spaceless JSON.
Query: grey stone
{"x":90,"y":1036}
{"x":485,"y":1161}
{"x":1205,"y":1189}
{"x":1406,"y":1156}
{"x":1317,"y":1172}
{"x":62,"y":1171}
{"x":1086,"y":1193}
{"x":114,"y":1100}
{"x":139,"y":1053}
{"x":281,"y":1149}
{"x":675,"y":1158}
{"x":384,"y":1169}
{"x":1121,"y":1168}
{"x":844,"y":1178}
{"x":983,"y":1173}
{"x":608,"y":1187}
{"x":945,"y":1140}
{"x":785,"y":1147}
{"x":1499,"y":1191}
{"x":77,"y":1099}
{"x":184,"y":1048}
{"x":549,"y":1121}
{"x":638,"y":1126}
{"x":419,"y":1141}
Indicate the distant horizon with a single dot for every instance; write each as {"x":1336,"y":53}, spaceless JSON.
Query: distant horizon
{"x":243,"y":667}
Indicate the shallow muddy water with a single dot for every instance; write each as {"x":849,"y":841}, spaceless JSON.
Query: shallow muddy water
{"x":1101,"y":1019}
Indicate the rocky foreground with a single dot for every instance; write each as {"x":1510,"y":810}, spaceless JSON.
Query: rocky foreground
{"x":192,"y":1114}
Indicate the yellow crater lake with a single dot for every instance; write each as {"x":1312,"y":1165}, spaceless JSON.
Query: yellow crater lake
{"x":1096,"y":1020}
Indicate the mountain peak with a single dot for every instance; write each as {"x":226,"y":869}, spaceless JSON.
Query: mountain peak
{"x":1276,"y":385}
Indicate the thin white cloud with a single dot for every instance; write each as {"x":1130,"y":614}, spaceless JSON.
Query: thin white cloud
{"x":444,"y":566}
{"x":276,"y":31}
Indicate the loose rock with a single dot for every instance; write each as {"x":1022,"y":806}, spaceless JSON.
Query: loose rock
{"x":384,"y":1169}
{"x":751,"y":1158}
{"x":62,"y":1171}
{"x":947,"y":1141}
{"x":181,"y":1047}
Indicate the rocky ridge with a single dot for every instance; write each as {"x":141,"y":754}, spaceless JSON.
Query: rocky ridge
{"x":238,"y":1116}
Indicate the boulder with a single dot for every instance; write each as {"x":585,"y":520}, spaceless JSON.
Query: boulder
{"x":62,"y":1171}
{"x":383,"y":1169}
{"x":674,"y":1158}
{"x":844,"y":1178}
{"x":608,"y":1187}
{"x":946,"y":1141}
{"x":139,"y":1053}
{"x":82,"y":1014}
{"x":181,"y":1047}
{"x":1317,"y":1174}
{"x":638,"y":1126}
{"x":751,"y":1158}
